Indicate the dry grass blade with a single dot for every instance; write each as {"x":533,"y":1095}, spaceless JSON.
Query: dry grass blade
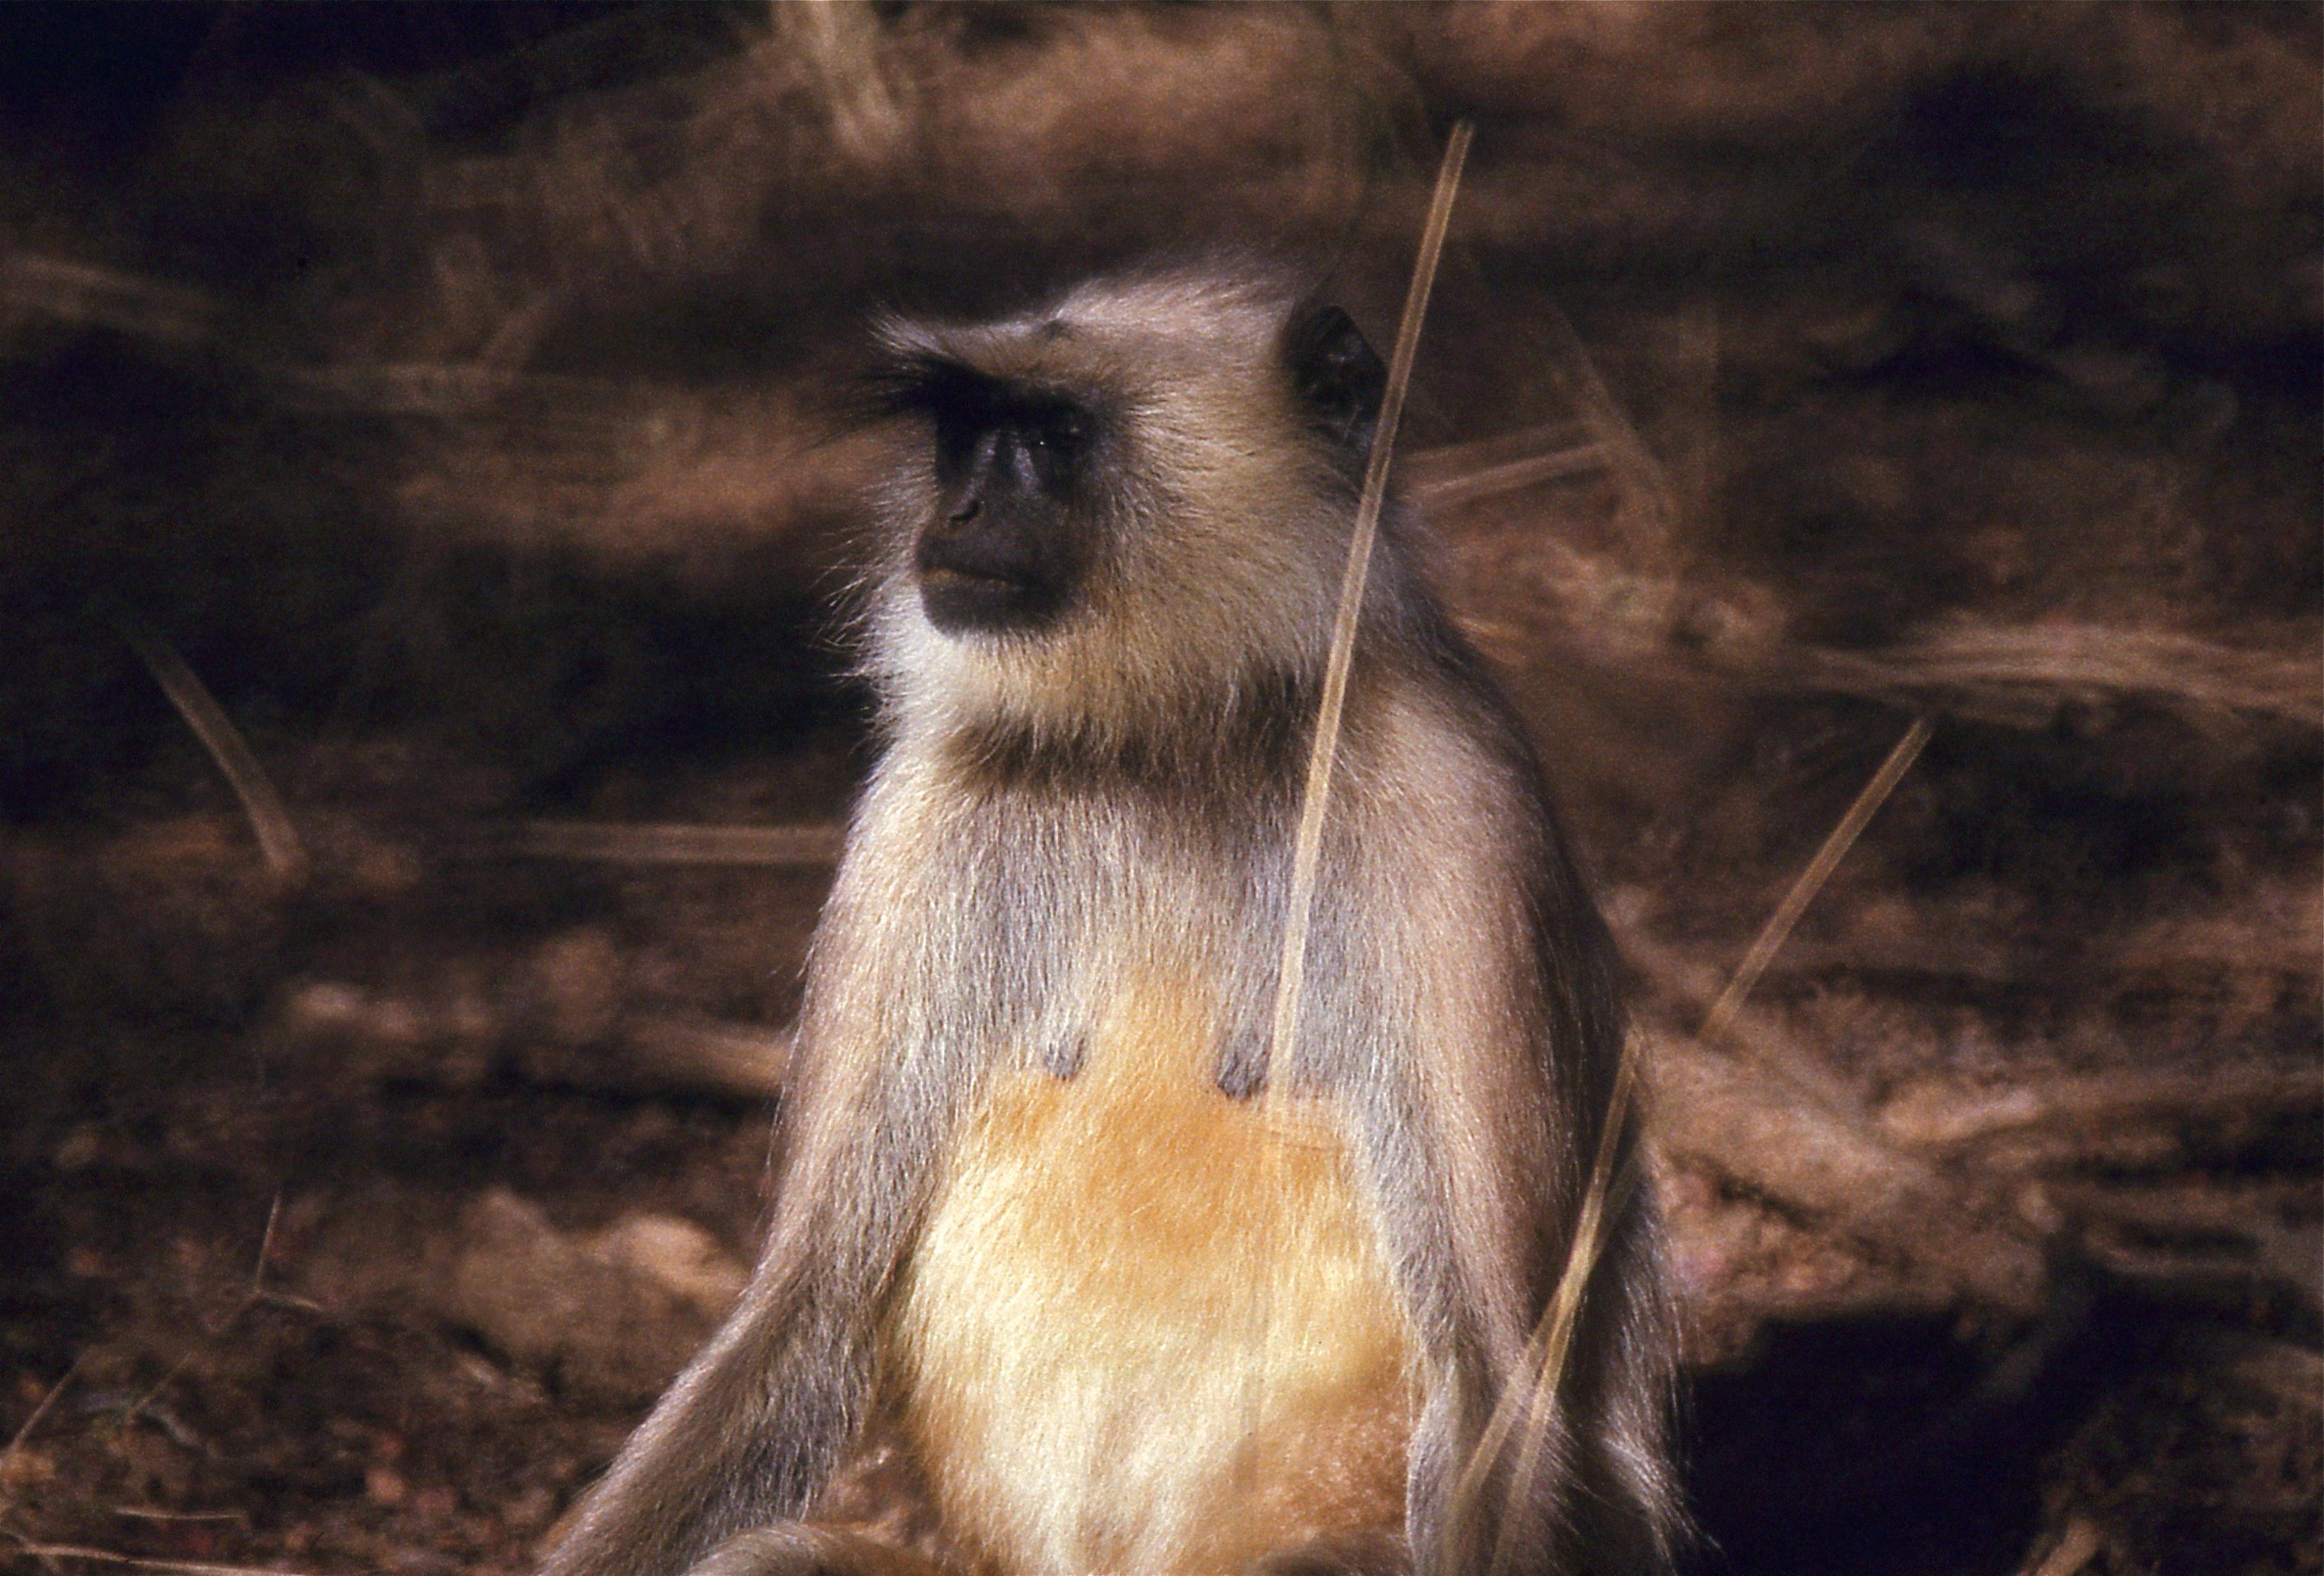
{"x":2046,"y":1119}
{"x":1316,"y":798}
{"x":1778,"y":928}
{"x":1546,"y":1352}
{"x":1783,"y":1140}
{"x":16,"y":1442}
{"x":1489,"y":480}
{"x":278,"y":839}
{"x":2076,"y":1547}
{"x":406,"y":388}
{"x":838,"y":43}
{"x":667,"y":842}
{"x":1324,"y":748}
{"x":1455,"y":473}
{"x":136,"y":1563}
{"x":1428,"y":467}
{"x":569,"y":401}
{"x":1553,"y":1338}
{"x":1649,"y":518}
{"x":104,"y":298}
{"x":2019,"y":673}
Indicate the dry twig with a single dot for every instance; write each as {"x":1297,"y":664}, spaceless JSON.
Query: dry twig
{"x":2006,"y":1280}
{"x":1458,"y":474}
{"x":1778,"y":928}
{"x":66,"y":291}
{"x":138,"y":1562}
{"x":278,"y":839}
{"x":1768,"y":1134}
{"x":2018,"y":675}
{"x":2092,"y":1116}
{"x":1316,"y":797}
{"x":2075,"y":1548}
{"x":1324,"y":751}
{"x":17,"y":1443}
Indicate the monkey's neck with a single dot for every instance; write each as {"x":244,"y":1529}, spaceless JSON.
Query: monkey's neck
{"x":1250,"y":745}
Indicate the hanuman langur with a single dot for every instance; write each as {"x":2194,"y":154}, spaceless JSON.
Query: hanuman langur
{"x":1136,"y":1301}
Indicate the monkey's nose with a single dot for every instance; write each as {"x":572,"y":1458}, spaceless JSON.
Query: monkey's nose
{"x":965,"y":512}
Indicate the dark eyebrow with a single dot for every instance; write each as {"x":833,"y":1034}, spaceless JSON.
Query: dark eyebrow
{"x":957,"y":395}
{"x":933,"y":385}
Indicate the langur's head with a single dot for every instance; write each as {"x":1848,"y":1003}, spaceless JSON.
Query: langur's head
{"x":1130,"y":503}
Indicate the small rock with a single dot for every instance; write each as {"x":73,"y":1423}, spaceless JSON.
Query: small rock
{"x":607,"y":1323}
{"x":383,"y":1485}
{"x":678,"y":1256}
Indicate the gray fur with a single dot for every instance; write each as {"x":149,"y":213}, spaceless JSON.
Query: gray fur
{"x":1026,"y":841}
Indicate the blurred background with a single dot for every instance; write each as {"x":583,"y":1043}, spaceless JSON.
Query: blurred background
{"x":427,"y":494}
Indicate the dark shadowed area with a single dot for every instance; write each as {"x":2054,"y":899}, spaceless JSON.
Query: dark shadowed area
{"x":430,"y":469}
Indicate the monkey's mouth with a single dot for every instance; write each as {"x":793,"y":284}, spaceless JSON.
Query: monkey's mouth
{"x":946,"y":575}
{"x":959,"y":600}
{"x":970,"y":587}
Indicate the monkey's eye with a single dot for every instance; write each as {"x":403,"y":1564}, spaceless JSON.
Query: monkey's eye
{"x":1057,"y":440}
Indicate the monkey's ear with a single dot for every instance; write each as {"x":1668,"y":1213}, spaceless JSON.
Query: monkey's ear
{"x":1338,"y":377}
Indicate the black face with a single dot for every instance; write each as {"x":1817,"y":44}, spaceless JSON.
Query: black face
{"x":1018,"y":515}
{"x":1009,"y":539}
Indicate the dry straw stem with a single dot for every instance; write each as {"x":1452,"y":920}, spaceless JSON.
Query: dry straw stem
{"x":2196,"y":1233}
{"x":1316,"y":798}
{"x":1324,"y":748}
{"x":145,"y":1512}
{"x":17,"y":1443}
{"x":2076,"y":1547}
{"x":1917,"y":1181}
{"x":1778,"y":1123}
{"x":256,"y":1294}
{"x":1553,"y":1338}
{"x":2114,"y":1158}
{"x":1778,"y":928}
{"x":376,"y":1037}
{"x":52,"y":1552}
{"x":86,"y":294}
{"x":696,"y":1053}
{"x":1546,"y":1349}
{"x":2012,"y":674}
{"x":2019,"y":673}
{"x":838,"y":42}
{"x":438,"y":388}
{"x":1510,"y":476}
{"x":1777,"y":1138}
{"x":278,"y":839}
{"x":1649,"y":518}
{"x":1454,"y":475}
{"x":2075,"y":1117}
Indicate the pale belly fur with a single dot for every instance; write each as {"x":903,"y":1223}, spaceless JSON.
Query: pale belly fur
{"x":1142,"y":1334}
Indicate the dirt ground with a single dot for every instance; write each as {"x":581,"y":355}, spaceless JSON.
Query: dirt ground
{"x":427,"y":490}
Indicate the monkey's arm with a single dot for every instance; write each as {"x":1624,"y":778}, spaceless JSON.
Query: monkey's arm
{"x":1472,"y":993}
